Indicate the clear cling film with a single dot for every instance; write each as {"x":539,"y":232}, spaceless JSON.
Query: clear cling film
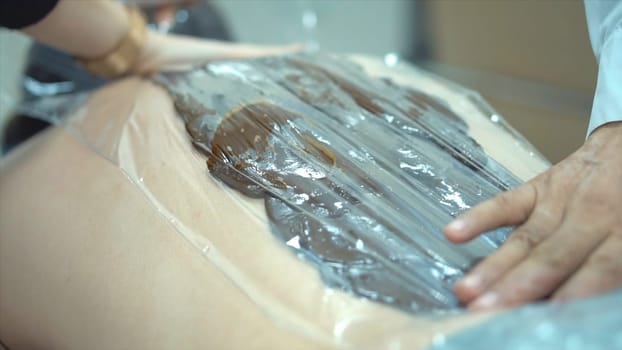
{"x":582,"y":324}
{"x":358,"y":174}
{"x":352,"y":165}
{"x":316,"y":186}
{"x":290,"y":202}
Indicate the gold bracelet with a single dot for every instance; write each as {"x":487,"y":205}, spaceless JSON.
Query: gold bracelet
{"x":123,"y":57}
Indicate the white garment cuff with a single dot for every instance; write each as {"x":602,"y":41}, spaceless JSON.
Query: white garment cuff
{"x":607,"y":105}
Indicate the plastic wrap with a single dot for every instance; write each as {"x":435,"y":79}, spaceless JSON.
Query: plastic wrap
{"x":591,"y":324}
{"x":356,"y":175}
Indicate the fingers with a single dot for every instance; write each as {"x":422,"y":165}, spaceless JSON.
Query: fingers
{"x":511,"y":253}
{"x":518,"y":246}
{"x":601,"y":272}
{"x":178,"y":52}
{"x":543,"y":270}
{"x":211,"y":50}
{"x":508,"y":208}
{"x":239,"y":51}
{"x":570,"y":244}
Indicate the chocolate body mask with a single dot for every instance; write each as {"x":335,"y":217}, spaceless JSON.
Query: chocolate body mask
{"x":358,"y":174}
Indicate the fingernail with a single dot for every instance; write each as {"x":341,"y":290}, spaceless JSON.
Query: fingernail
{"x":471,"y":282}
{"x":486,"y":301}
{"x":457,"y":225}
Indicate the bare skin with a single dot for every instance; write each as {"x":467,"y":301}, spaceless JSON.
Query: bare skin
{"x":177,"y":52}
{"x":568,"y":240}
{"x":90,"y":29}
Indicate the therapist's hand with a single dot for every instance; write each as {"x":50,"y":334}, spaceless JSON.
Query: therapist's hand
{"x":568,"y":240}
{"x":178,"y":52}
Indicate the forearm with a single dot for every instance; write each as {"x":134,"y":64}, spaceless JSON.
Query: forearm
{"x":112,"y":42}
{"x":87,"y":29}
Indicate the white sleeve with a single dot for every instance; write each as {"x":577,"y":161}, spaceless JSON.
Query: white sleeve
{"x":604,"y":22}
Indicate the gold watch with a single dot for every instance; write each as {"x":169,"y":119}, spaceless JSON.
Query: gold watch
{"x":122,"y":58}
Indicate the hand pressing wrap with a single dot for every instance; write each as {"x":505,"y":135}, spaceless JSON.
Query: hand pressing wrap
{"x":568,"y":240}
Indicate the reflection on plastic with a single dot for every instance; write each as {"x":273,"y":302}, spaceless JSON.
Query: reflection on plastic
{"x":359,"y":175}
{"x":548,"y":326}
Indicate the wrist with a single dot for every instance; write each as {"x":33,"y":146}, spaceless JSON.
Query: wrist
{"x":604,"y":142}
{"x":607,"y":130}
{"x":125,"y":54}
{"x":145,"y":62}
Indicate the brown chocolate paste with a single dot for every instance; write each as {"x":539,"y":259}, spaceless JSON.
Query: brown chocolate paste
{"x":353,"y":170}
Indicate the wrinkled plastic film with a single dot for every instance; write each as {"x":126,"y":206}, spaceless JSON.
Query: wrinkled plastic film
{"x":358,"y":191}
{"x":359,"y":175}
{"x":72,"y":113}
